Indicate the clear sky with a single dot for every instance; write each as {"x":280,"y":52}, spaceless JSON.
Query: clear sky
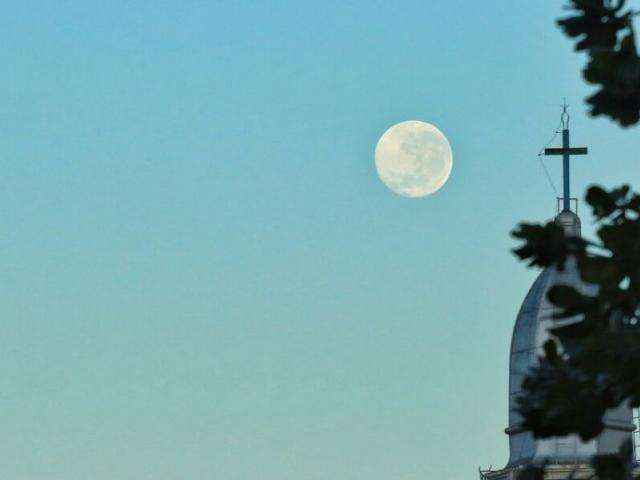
{"x":203,"y":277}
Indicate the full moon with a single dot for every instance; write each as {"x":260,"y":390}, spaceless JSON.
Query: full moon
{"x":413,"y":159}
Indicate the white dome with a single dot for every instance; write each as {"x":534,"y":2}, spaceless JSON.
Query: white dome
{"x":529,"y":336}
{"x":570,"y":222}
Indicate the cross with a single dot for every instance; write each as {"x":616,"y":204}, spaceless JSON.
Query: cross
{"x":566,"y":152}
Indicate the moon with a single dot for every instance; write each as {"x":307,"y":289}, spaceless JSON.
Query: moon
{"x":413,"y":159}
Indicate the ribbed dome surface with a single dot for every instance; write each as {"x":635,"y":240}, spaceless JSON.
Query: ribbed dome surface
{"x":529,"y":336}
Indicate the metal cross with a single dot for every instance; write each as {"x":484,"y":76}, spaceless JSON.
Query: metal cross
{"x":566,"y":151}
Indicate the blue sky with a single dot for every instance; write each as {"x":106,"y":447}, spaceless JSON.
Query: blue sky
{"x":203,"y":276}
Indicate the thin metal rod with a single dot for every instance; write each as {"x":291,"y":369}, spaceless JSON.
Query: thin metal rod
{"x":565,"y":170}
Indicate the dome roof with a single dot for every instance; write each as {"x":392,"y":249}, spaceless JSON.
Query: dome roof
{"x":529,"y":336}
{"x":570,"y":222}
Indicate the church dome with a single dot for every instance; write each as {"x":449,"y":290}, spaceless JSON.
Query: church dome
{"x":570,"y":223}
{"x":529,"y":335}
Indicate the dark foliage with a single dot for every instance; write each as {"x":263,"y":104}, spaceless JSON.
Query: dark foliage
{"x":615,"y":467}
{"x":593,"y":361}
{"x":604,"y":30}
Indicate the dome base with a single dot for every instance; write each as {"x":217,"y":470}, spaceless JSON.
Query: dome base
{"x":575,"y":471}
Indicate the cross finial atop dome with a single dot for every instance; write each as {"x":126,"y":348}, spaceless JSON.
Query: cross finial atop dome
{"x":566,"y":151}
{"x":564,"y":118}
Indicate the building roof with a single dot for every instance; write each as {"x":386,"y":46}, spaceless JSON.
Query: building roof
{"x":529,"y":335}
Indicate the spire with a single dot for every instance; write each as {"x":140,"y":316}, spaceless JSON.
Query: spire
{"x":566,"y":151}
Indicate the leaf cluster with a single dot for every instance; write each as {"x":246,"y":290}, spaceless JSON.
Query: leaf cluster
{"x":604,"y":30}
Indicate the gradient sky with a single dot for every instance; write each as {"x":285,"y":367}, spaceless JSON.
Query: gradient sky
{"x":203,"y":277}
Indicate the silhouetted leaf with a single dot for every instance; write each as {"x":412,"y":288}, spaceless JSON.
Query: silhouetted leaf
{"x":601,"y":201}
{"x":570,"y":301}
{"x":609,"y":467}
{"x":551,"y":351}
{"x":544,"y":245}
{"x":617,"y":72}
{"x":605,"y":32}
{"x":596,"y":24}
